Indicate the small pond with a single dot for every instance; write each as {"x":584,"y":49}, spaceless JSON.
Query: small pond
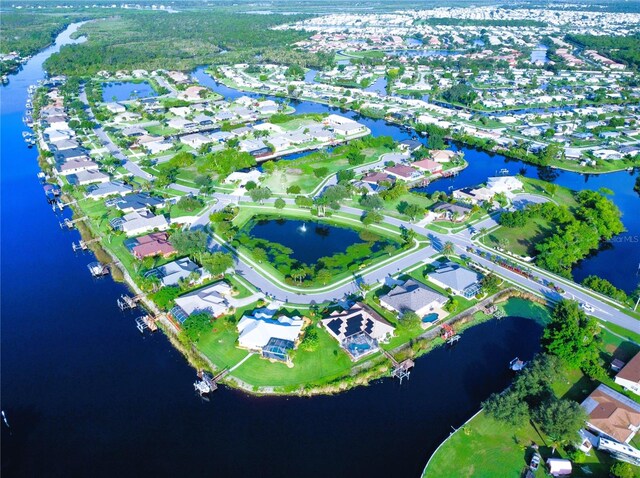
{"x":309,"y":240}
{"x":127,"y":90}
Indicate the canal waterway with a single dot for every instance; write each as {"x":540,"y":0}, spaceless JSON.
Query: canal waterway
{"x":87,"y":395}
{"x":623,"y":251}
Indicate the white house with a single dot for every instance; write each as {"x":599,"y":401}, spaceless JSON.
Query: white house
{"x":504,"y":184}
{"x":141,"y":221}
{"x":256,"y":330}
{"x":115,"y":108}
{"x":195,"y":140}
{"x":213,"y":299}
{"x":629,"y":376}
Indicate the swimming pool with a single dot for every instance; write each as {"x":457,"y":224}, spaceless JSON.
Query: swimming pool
{"x":430,"y":318}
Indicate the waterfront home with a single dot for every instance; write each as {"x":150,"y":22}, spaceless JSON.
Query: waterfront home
{"x":181,"y":124}
{"x":70,"y":154}
{"x":474,"y":196}
{"x":611,"y":414}
{"x":428,"y":166}
{"x":171,"y":273}
{"x":76,"y":166}
{"x":377,"y":178}
{"x":401,"y":171}
{"x":344,"y":126}
{"x":212,"y":299}
{"x":193,"y":93}
{"x":359,"y":329}
{"x":442,"y":155}
{"x":272,"y":336}
{"x":451,"y":212}
{"x":254,"y":147}
{"x":151,"y":245}
{"x":203,"y":120}
{"x":64,"y":144}
{"x":413,"y":296}
{"x":410,"y":145}
{"x":142,"y":220}
{"x":82,"y":178}
{"x":629,"y":376}
{"x":458,"y":279}
{"x":52,"y":134}
{"x":107,"y":189}
{"x":504,"y":184}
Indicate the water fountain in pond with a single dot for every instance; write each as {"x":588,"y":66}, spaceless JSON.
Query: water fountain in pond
{"x":303,"y":228}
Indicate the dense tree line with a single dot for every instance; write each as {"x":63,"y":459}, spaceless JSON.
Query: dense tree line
{"x":624,"y":49}
{"x":184,"y":40}
{"x":595,"y":219}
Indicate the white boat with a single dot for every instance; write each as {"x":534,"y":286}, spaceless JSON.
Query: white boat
{"x":516,"y":364}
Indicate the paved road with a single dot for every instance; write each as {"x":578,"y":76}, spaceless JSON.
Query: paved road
{"x":461,"y":242}
{"x":113,"y":148}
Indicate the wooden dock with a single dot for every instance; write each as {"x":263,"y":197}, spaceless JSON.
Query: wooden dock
{"x":401,"y":370}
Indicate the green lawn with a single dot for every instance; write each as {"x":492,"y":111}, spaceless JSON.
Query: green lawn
{"x":487,"y":448}
{"x":300,"y":172}
{"x":326,"y":363}
{"x":220,"y":346}
{"x":521,"y":240}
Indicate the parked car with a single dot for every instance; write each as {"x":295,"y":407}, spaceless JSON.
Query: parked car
{"x":535,"y":462}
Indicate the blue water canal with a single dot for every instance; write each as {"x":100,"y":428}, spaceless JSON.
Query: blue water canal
{"x":87,"y":395}
{"x":622,"y":251}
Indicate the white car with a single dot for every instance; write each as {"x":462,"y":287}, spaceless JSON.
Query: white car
{"x":587,"y":307}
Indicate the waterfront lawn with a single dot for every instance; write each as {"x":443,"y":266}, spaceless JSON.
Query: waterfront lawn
{"x":488,"y":448}
{"x":301,"y":172}
{"x":328,"y":362}
{"x":561,"y":194}
{"x":220,"y":346}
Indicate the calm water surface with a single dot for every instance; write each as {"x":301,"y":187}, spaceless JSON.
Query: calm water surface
{"x":120,"y":91}
{"x":309,"y":240}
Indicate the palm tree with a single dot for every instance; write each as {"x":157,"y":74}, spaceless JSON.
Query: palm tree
{"x":448,"y":249}
{"x":483,"y":231}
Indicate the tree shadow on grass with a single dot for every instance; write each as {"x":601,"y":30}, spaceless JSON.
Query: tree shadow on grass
{"x":580,"y":389}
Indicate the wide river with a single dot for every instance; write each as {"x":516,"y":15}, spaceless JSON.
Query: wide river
{"x":87,"y":395}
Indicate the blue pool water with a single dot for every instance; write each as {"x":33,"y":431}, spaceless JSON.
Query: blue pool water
{"x":430,"y":318}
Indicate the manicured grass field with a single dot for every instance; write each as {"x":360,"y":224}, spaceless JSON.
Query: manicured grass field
{"x":325,"y":363}
{"x":521,"y":240}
